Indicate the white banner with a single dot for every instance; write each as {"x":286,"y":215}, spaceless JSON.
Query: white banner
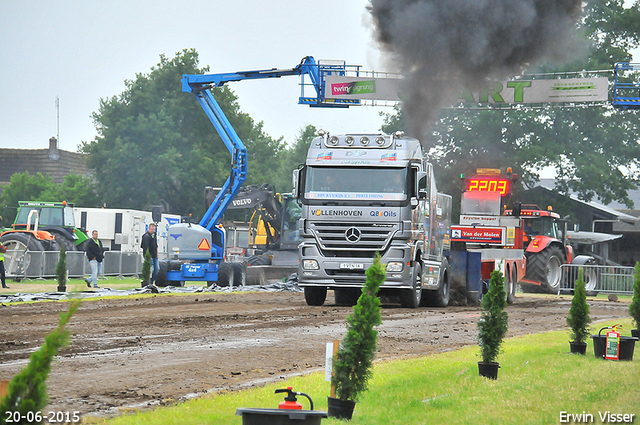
{"x":505,"y":92}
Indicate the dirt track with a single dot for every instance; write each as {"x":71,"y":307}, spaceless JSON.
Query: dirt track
{"x":148,"y":351}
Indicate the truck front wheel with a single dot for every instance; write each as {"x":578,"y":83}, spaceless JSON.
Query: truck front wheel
{"x":440,"y":297}
{"x":410,"y":298}
{"x":315,"y":295}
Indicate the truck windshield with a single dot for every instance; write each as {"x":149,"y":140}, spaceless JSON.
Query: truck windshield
{"x":356,"y":183}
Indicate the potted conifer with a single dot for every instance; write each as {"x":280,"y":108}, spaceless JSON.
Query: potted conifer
{"x":634,"y":307}
{"x":354,"y":361}
{"x":146,"y":270}
{"x":61,"y":270}
{"x":492,"y":326}
{"x":578,"y":318}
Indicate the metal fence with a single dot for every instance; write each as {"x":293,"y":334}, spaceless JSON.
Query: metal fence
{"x":608,"y":279}
{"x":42,"y":264}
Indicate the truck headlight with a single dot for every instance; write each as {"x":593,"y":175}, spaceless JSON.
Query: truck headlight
{"x":395,"y":266}
{"x":310,"y":265}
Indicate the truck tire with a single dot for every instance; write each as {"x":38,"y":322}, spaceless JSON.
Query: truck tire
{"x":347,"y":296}
{"x":259,"y":260}
{"x":411,"y":298}
{"x":239,"y":273}
{"x":161,"y":277}
{"x":510,"y":285}
{"x":440,"y":297}
{"x":315,"y":295}
{"x":544,"y":267}
{"x":225,"y":274}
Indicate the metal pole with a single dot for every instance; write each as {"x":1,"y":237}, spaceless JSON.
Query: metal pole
{"x":58,"y":119}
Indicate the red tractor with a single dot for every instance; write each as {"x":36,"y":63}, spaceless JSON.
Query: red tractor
{"x":546,"y":248}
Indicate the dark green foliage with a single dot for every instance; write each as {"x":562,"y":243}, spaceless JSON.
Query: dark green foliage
{"x":146,"y":269}
{"x":494,"y":321}
{"x":634,"y":307}
{"x":61,"y":269}
{"x":578,"y":318}
{"x":75,"y":189}
{"x":27,"y":390}
{"x":353,"y":365}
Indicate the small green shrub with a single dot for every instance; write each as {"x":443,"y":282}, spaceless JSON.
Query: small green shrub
{"x":61,"y":270}
{"x":353,"y":366}
{"x":578,"y":318}
{"x":494,"y":321}
{"x":146,"y":269}
{"x":27,"y":390}
{"x":634,"y":307}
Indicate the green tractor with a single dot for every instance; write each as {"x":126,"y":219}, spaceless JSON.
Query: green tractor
{"x":40,"y":226}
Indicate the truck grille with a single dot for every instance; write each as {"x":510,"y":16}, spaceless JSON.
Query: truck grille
{"x":346,"y":237}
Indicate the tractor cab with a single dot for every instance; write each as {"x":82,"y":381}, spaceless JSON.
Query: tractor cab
{"x":537,"y":222}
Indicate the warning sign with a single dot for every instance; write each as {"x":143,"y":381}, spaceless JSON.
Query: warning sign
{"x":479,"y":235}
{"x":204,"y":245}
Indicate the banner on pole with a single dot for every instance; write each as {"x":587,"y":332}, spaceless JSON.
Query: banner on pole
{"x":497,"y":92}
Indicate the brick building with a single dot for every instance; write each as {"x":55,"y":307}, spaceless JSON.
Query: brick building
{"x":53,"y":161}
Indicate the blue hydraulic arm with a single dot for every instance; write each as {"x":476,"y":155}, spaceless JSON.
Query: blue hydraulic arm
{"x":626,"y":86}
{"x":201,"y":85}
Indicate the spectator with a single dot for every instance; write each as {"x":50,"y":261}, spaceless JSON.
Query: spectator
{"x":95,"y":255}
{"x":150,"y":243}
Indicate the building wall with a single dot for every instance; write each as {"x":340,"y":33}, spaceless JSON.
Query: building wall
{"x":53,"y":161}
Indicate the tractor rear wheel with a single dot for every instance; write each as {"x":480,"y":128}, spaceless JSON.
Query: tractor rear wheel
{"x":16,"y":261}
{"x":544,"y":267}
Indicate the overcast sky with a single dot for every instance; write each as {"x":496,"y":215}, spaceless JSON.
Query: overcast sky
{"x":83,"y":51}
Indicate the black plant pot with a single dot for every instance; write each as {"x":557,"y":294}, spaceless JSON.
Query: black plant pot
{"x":280,"y":416}
{"x":340,"y":409}
{"x":489,"y":370}
{"x":627,"y":345}
{"x":578,"y":347}
{"x":635,"y":333}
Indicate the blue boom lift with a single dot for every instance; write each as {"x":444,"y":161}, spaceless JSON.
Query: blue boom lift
{"x":626,"y":85}
{"x":196,"y":251}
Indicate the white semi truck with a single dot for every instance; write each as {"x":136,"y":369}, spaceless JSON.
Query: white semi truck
{"x":363,"y":194}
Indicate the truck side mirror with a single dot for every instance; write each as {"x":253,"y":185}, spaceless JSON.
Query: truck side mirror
{"x":423,"y":192}
{"x":295,"y":176}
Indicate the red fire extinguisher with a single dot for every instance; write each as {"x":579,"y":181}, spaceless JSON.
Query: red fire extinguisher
{"x":612,"y":347}
{"x":291,"y":401}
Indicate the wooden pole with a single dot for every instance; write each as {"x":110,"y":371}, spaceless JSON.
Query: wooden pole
{"x":4,"y":387}
{"x":336,"y":345}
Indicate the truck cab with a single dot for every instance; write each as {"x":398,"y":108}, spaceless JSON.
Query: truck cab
{"x":371,"y":194}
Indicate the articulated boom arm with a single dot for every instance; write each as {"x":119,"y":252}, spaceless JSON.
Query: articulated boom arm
{"x":200,"y":85}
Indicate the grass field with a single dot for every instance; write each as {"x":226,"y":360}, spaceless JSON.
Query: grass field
{"x":537,"y":381}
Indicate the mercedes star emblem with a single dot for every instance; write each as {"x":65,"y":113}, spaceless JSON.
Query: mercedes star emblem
{"x":353,"y":234}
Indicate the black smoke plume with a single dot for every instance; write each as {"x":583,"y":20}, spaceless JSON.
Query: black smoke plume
{"x":442,"y":46}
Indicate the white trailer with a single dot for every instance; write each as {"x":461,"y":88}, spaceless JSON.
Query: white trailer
{"x":122,"y":230}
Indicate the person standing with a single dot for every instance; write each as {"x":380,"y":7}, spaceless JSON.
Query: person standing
{"x":150,"y":243}
{"x":95,"y":255}
{"x":3,"y":249}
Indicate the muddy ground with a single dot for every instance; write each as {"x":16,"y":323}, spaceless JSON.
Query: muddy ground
{"x":137,"y":353}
